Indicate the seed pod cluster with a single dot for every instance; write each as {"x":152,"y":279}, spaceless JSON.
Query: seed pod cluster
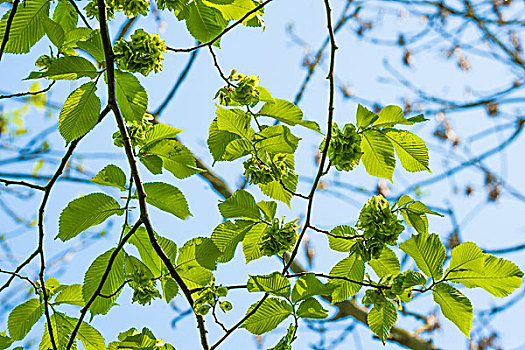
{"x":344,"y":150}
{"x":142,"y":54}
{"x":279,"y":237}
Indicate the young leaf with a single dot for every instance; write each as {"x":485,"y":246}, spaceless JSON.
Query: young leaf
{"x":131,"y":97}
{"x":240,"y":205}
{"x":276,"y":191}
{"x":274,"y":283}
{"x":27,"y":27}
{"x":71,"y":294}
{"x":89,"y":336}
{"x":111,"y":175}
{"x":269,"y":315}
{"x":351,"y":270}
{"x":276,"y":139}
{"x":23,"y":317}
{"x":5,"y":341}
{"x":170,"y":288}
{"x":80,"y":112}
{"x":415,"y":213}
{"x":227,"y":236}
{"x":308,"y":285}
{"x":218,"y":140}
{"x":428,"y":252}
{"x":390,"y":116}
{"x":62,"y":330}
{"x":268,"y":208}
{"x":92,"y":45}
{"x":199,"y":251}
{"x":378,"y":154}
{"x":454,"y":306}
{"x":54,"y":32}
{"x":342,"y":244}
{"x":84,"y":212}
{"x":234,"y":121}
{"x":381,"y":319}
{"x":251,"y":241}
{"x":67,"y":68}
{"x":233,"y":10}
{"x":159,"y":132}
{"x":176,"y":158}
{"x":168,"y":198}
{"x":65,"y":15}
{"x":386,"y":264}
{"x":473,"y":268}
{"x":364,"y":117}
{"x":147,"y":254}
{"x":195,"y":276}
{"x":311,"y":308}
{"x":204,"y":23}
{"x":411,"y":150}
{"x":282,"y":110}
{"x":112,"y":284}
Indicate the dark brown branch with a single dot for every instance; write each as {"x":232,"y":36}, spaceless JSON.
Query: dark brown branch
{"x":8,"y":27}
{"x":125,"y":28}
{"x":21,"y":94}
{"x":22,"y":183}
{"x":72,"y":2}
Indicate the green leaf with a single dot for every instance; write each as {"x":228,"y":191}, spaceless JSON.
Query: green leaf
{"x":80,"y":112}
{"x":353,"y":269}
{"x":218,"y":140}
{"x":54,"y":32}
{"x":428,"y":252}
{"x":62,"y":330}
{"x":140,"y":239}
{"x":342,"y":244}
{"x":71,"y":294}
{"x":274,"y":283}
{"x":132,"y":98}
{"x":92,"y":45}
{"x":269,"y":315}
{"x":417,"y":119}
{"x":381,"y":319}
{"x":411,"y":150}
{"x":240,"y":205}
{"x":308,"y":285}
{"x":159,"y":132}
{"x":473,"y":268}
{"x":204,"y":23}
{"x":170,"y":288}
{"x":168,"y":198}
{"x":65,"y":15}
{"x":176,"y":158}
{"x":227,"y":236}
{"x":195,"y":276}
{"x":23,"y":317}
{"x":27,"y":27}
{"x":276,"y":191}
{"x":234,"y":121}
{"x":311,"y":308}
{"x":413,"y":278}
{"x":89,"y":336}
{"x":84,"y":212}
{"x":365,"y":117}
{"x":454,"y":306}
{"x":386,"y":264}
{"x":251,"y":241}
{"x":378,"y":154}
{"x":5,"y":341}
{"x":111,"y":175}
{"x":268,"y":208}
{"x":199,"y":251}
{"x":276,"y":139}
{"x":152,"y":163}
{"x":233,"y":10}
{"x":390,"y":116}
{"x":415,"y":212}
{"x":67,"y":68}
{"x":111,"y":288}
{"x":236,"y":149}
{"x":282,"y":110}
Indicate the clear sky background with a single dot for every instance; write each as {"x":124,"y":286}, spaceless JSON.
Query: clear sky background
{"x":278,"y":61}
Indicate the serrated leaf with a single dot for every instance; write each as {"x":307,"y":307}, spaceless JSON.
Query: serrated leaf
{"x":54,"y":32}
{"x":454,"y":306}
{"x":140,"y":239}
{"x":276,"y":139}
{"x":378,"y":154}
{"x":311,"y":308}
{"x":352,"y":269}
{"x":65,"y":15}
{"x":364,"y":117}
{"x":282,"y":110}
{"x":203,"y":22}
{"x":71,"y":294}
{"x":227,"y":236}
{"x":276,"y":190}
{"x":415,"y":213}
{"x":218,"y":140}
{"x":170,"y":288}
{"x":240,"y":205}
{"x":167,"y":198}
{"x":92,"y":45}
{"x":62,"y":330}
{"x":67,"y":68}
{"x":390,"y":116}
{"x":23,"y":317}
{"x":132,"y":98}
{"x":473,"y":268}
{"x":233,"y":10}
{"x":234,"y":121}
{"x":27,"y":27}
{"x":274,"y":283}
{"x":176,"y":158}
{"x":268,"y":208}
{"x":152,"y":163}
{"x":386,"y":264}
{"x":269,"y":315}
{"x":111,"y":175}
{"x":342,"y":244}
{"x":308,"y":285}
{"x":251,"y":241}
{"x":111,"y":288}
{"x":381,"y":319}
{"x":159,"y":132}
{"x":80,"y":112}
{"x":195,"y":276}
{"x":5,"y":341}
{"x":411,"y":150}
{"x":84,"y":212}
{"x":199,"y":251}
{"x":428,"y":252}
